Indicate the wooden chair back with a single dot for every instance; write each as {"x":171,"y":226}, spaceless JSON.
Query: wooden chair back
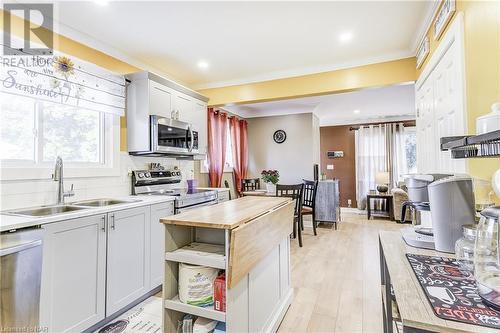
{"x":309,"y":197}
{"x":251,"y":184}
{"x":291,"y":191}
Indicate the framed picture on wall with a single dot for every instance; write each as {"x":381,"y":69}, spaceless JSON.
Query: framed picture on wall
{"x":422,"y":51}
{"x":443,"y":17}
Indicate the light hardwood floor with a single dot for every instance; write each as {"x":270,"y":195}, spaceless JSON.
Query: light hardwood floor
{"x":336,"y":278}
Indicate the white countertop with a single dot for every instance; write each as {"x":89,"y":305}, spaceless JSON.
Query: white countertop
{"x":218,"y":189}
{"x":10,"y":222}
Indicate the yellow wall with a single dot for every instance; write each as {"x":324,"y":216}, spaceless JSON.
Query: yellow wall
{"x":81,"y":51}
{"x":482,"y":68}
{"x":375,"y":75}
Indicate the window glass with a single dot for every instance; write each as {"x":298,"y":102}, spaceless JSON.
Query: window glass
{"x":69,"y":132}
{"x":17,"y":128}
{"x":411,"y":149}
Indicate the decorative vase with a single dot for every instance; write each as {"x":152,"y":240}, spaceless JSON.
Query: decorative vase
{"x":271,"y":188}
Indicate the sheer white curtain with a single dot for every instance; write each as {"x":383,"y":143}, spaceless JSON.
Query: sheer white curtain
{"x":371,"y":153}
{"x":397,"y":154}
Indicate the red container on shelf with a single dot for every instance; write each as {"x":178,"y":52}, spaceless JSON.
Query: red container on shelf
{"x":220,"y":293}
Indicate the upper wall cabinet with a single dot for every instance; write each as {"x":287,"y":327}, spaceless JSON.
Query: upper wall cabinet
{"x":149,"y":94}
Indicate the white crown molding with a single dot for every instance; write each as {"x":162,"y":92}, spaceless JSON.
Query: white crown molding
{"x":306,"y":71}
{"x":351,"y":121}
{"x":425,"y":25}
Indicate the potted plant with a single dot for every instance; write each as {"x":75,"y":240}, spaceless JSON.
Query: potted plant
{"x":271,"y":178}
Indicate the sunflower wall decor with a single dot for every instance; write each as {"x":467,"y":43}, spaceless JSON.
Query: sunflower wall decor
{"x":64,"y":65}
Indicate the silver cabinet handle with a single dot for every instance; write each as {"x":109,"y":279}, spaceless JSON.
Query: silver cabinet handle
{"x":113,"y":221}
{"x":103,"y":219}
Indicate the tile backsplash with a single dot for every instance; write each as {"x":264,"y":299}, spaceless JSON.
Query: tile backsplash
{"x":27,"y":193}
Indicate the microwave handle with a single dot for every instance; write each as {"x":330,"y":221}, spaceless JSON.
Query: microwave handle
{"x":191,"y":142}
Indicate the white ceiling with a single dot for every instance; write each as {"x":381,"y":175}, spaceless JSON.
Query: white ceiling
{"x":245,"y":41}
{"x":389,"y":103}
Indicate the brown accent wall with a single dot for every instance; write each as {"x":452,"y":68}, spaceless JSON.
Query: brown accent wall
{"x":340,"y":138}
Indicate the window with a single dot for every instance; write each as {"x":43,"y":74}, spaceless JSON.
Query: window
{"x":33,"y":133}
{"x":228,"y":167}
{"x":411,"y":149}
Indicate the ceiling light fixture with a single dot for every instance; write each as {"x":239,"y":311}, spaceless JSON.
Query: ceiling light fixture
{"x":101,"y":2}
{"x":345,"y":37}
{"x":356,"y":111}
{"x":202,"y":64}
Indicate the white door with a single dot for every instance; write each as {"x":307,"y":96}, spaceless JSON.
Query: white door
{"x":440,"y":102}
{"x":200,"y":116}
{"x":160,"y":100}
{"x":128,"y":257}
{"x":448,"y":103}
{"x":73,"y":274}
{"x":157,"y":243}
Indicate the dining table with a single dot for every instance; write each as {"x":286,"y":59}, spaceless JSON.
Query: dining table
{"x":258,"y":193}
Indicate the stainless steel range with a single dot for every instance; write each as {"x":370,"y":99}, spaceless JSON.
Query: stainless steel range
{"x":166,"y":182}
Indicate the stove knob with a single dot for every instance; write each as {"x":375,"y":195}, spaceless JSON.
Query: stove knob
{"x":148,"y":175}
{"x":140,"y":175}
{"x":178,"y":173}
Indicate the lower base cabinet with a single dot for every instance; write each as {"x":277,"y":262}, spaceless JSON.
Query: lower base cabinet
{"x":95,"y":266}
{"x":73,"y":274}
{"x":127,"y":274}
{"x":157,"y":243}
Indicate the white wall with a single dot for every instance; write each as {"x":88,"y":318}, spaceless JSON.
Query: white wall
{"x":26,"y":193}
{"x":293,"y":158}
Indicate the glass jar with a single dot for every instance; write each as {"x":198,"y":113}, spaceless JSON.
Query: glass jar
{"x":464,"y":247}
{"x":486,"y":257}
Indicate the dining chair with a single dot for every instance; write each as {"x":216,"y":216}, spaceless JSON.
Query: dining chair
{"x":250,"y":184}
{"x":226,"y":185}
{"x":294,"y":192}
{"x":309,"y":201}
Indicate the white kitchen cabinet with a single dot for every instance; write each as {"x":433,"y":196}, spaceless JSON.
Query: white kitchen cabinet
{"x":73,"y":274}
{"x":149,"y":94}
{"x":157,"y":243}
{"x":128,"y":265}
{"x":184,"y":106}
{"x":200,"y":123}
{"x":161,"y":100}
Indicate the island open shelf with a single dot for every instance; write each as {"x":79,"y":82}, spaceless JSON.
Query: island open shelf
{"x":247,"y":238}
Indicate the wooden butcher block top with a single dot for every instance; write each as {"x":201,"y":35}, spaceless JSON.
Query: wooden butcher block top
{"x":227,"y":215}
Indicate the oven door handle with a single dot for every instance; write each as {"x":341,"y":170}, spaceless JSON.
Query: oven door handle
{"x":191,"y":142}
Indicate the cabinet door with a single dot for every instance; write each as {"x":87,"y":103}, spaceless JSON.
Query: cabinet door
{"x":128,"y":257}
{"x":157,"y":244}
{"x":200,"y":114}
{"x":160,"y":100}
{"x":73,"y":274}
{"x":184,"y":106}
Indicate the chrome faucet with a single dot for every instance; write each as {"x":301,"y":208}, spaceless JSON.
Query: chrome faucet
{"x":58,"y":177}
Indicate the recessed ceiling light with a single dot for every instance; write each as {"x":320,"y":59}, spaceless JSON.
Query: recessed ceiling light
{"x":101,"y":2}
{"x":345,"y":37}
{"x":202,"y":64}
{"x":356,"y":111}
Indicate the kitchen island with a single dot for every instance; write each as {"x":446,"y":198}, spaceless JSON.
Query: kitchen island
{"x":253,"y":236}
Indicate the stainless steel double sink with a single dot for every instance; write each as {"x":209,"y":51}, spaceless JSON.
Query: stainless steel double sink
{"x":42,"y":211}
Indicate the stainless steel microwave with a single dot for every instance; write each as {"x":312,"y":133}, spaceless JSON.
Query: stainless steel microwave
{"x":172,"y":136}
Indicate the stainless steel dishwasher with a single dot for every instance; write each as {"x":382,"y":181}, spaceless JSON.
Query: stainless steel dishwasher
{"x":20,"y":277}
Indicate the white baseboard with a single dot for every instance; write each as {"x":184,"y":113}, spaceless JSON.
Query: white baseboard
{"x":352,"y":211}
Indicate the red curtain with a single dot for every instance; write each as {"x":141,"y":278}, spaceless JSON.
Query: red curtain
{"x":239,"y":143}
{"x":217,"y":136}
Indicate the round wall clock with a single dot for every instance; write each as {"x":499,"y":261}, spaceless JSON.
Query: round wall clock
{"x":279,"y":136}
